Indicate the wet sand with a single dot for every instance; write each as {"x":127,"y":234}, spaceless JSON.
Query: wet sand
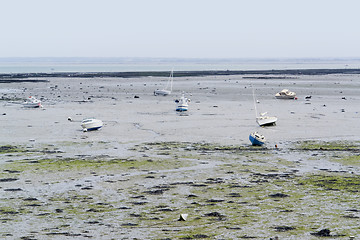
{"x":221,"y":110}
{"x":166,"y":163}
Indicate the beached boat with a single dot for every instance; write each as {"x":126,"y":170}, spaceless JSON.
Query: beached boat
{"x":263,"y":119}
{"x":256,"y":139}
{"x":32,"y":102}
{"x":285,"y":94}
{"x":90,"y":124}
{"x":182,"y":104}
{"x":168,"y":88}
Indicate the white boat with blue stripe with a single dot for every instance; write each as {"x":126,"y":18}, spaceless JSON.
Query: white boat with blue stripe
{"x":182,"y":103}
{"x":90,"y":124}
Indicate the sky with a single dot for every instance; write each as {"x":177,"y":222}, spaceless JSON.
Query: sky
{"x":180,"y":28}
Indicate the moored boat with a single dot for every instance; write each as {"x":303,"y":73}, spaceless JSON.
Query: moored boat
{"x":264,"y":120}
{"x":90,"y":124}
{"x":166,"y":91}
{"x":285,"y":94}
{"x":32,"y":102}
{"x":182,"y":104}
{"x":256,"y":139}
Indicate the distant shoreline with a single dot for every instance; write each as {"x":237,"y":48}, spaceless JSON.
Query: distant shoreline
{"x":9,"y":77}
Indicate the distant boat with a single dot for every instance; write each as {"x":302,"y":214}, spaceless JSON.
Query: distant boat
{"x":167,"y":90}
{"x":285,"y":94}
{"x":263,"y":119}
{"x":182,"y":104}
{"x":256,"y":139}
{"x":90,"y":124}
{"x":32,"y":102}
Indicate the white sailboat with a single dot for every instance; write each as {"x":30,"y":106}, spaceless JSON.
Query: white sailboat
{"x":263,"y":119}
{"x":166,"y":90}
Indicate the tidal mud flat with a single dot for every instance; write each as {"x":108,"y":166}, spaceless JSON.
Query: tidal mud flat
{"x":148,"y":164}
{"x":228,"y":192}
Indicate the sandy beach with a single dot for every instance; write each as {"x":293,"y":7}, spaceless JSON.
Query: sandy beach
{"x":148,"y":163}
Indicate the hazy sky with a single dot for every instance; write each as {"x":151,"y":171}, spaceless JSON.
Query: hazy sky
{"x":180,"y":28}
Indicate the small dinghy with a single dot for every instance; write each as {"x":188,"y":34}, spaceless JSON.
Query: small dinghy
{"x":256,"y":139}
{"x":90,"y":124}
{"x":32,"y":102}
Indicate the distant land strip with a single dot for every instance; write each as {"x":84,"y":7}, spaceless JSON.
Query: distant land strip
{"x":6,"y":77}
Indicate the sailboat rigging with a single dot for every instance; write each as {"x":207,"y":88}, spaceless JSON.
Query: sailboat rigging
{"x":263,"y":119}
{"x":166,"y":90}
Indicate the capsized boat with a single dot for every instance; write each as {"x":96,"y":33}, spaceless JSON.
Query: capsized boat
{"x":32,"y":102}
{"x":90,"y":124}
{"x":256,"y":139}
{"x":168,"y":88}
{"x":285,"y":94}
{"x":182,"y":104}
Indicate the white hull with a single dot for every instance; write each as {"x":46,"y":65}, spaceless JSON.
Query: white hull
{"x":266,"y":121}
{"x":162,"y":92}
{"x":91,"y":124}
{"x":165,"y":91}
{"x":284,"y":97}
{"x":32,"y":102}
{"x":182,"y":108}
{"x":285,"y":94}
{"x":183,"y":104}
{"x":32,"y":105}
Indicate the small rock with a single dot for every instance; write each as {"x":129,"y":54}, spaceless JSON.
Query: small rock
{"x":322,"y":233}
{"x":183,"y":217}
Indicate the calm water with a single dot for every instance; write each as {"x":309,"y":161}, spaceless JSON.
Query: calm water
{"x":48,"y":65}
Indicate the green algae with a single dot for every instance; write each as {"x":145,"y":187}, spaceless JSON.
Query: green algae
{"x":11,"y":149}
{"x":230,"y":190}
{"x":328,"y":146}
{"x":333,"y":182}
{"x":200,"y":147}
{"x":353,"y":160}
{"x":72,"y":164}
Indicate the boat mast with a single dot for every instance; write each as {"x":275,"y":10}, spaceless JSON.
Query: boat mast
{"x":170,"y":80}
{"x":256,"y":114}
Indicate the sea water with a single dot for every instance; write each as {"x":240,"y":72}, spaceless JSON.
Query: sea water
{"x":49,"y":65}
